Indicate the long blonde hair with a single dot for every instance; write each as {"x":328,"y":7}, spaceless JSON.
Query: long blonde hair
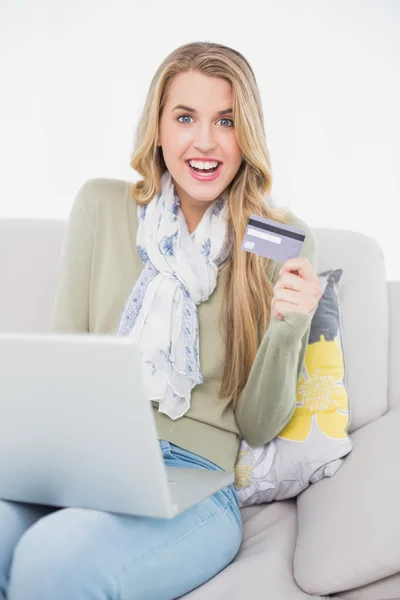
{"x":246,"y":309}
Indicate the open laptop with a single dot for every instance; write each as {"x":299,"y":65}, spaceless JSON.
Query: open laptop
{"x":77,"y":430}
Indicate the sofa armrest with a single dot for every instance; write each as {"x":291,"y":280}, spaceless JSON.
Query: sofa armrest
{"x":394,"y":344}
{"x":349,"y":525}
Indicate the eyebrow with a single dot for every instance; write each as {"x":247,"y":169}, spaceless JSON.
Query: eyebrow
{"x":227,"y":111}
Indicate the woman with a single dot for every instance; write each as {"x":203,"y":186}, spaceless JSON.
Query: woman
{"x":223,"y":332}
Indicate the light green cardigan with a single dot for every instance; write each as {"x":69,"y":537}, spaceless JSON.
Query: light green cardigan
{"x":98,"y":267}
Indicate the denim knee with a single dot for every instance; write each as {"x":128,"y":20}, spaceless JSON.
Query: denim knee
{"x":44,"y":567}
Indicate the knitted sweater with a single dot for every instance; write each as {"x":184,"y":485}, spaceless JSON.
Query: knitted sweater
{"x":98,"y":267}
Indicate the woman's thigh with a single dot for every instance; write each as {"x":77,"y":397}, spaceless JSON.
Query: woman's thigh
{"x":15,"y":519}
{"x":88,"y":554}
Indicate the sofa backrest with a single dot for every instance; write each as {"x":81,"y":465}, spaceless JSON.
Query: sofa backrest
{"x":30,"y":251}
{"x":364,"y":315}
{"x":29,"y":254}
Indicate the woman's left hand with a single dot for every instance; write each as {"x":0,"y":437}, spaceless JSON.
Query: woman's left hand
{"x":297,"y":289}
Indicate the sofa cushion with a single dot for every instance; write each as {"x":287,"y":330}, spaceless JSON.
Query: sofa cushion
{"x":349,"y":526}
{"x":313,"y":444}
{"x":264,"y":565}
{"x":385,"y":589}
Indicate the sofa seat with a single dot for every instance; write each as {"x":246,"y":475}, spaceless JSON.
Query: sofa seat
{"x":385,"y":589}
{"x":264,"y":565}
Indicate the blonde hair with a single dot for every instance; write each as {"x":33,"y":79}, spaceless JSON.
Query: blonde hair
{"x":246,"y":310}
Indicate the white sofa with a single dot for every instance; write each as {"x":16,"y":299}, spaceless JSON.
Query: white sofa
{"x":341,"y":537}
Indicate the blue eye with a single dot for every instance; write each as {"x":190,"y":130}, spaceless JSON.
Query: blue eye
{"x":183,"y":116}
{"x":190,"y":117}
{"x":230,"y":120}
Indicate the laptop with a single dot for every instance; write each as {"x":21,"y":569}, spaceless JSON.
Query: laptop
{"x":76,"y":429}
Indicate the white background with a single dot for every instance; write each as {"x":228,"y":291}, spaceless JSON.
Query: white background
{"x":74,"y":77}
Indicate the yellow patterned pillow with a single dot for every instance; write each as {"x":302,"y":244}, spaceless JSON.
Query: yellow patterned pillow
{"x":313,"y":444}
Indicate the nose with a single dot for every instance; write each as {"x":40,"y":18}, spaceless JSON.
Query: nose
{"x":204,"y":139}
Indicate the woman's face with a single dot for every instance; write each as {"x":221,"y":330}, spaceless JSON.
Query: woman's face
{"x":201,"y":133}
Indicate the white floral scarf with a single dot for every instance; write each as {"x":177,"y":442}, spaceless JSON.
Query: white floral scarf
{"x":180,"y":271}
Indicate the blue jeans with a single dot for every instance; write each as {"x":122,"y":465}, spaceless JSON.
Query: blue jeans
{"x":47,"y":553}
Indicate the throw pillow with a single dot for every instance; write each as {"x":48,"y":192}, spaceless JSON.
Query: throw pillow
{"x":313,"y":444}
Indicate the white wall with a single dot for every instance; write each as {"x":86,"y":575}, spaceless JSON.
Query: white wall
{"x":73,"y":78}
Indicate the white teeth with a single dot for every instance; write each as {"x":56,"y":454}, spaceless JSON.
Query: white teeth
{"x":203,"y":165}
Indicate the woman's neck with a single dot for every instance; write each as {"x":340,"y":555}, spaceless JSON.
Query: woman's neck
{"x":193,"y":215}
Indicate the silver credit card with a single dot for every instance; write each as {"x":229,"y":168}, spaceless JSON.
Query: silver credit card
{"x":273,"y":240}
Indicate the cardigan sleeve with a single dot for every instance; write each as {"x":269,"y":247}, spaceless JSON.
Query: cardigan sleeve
{"x":268,"y":400}
{"x":70,"y":306}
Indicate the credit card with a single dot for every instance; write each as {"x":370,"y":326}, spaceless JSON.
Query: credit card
{"x":273,"y":240}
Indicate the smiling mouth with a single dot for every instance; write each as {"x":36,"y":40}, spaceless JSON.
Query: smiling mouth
{"x":204,"y":171}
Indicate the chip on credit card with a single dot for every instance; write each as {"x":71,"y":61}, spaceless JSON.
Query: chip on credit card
{"x":272,"y":239}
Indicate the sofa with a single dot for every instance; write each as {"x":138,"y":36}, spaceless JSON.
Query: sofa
{"x":340,"y":538}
